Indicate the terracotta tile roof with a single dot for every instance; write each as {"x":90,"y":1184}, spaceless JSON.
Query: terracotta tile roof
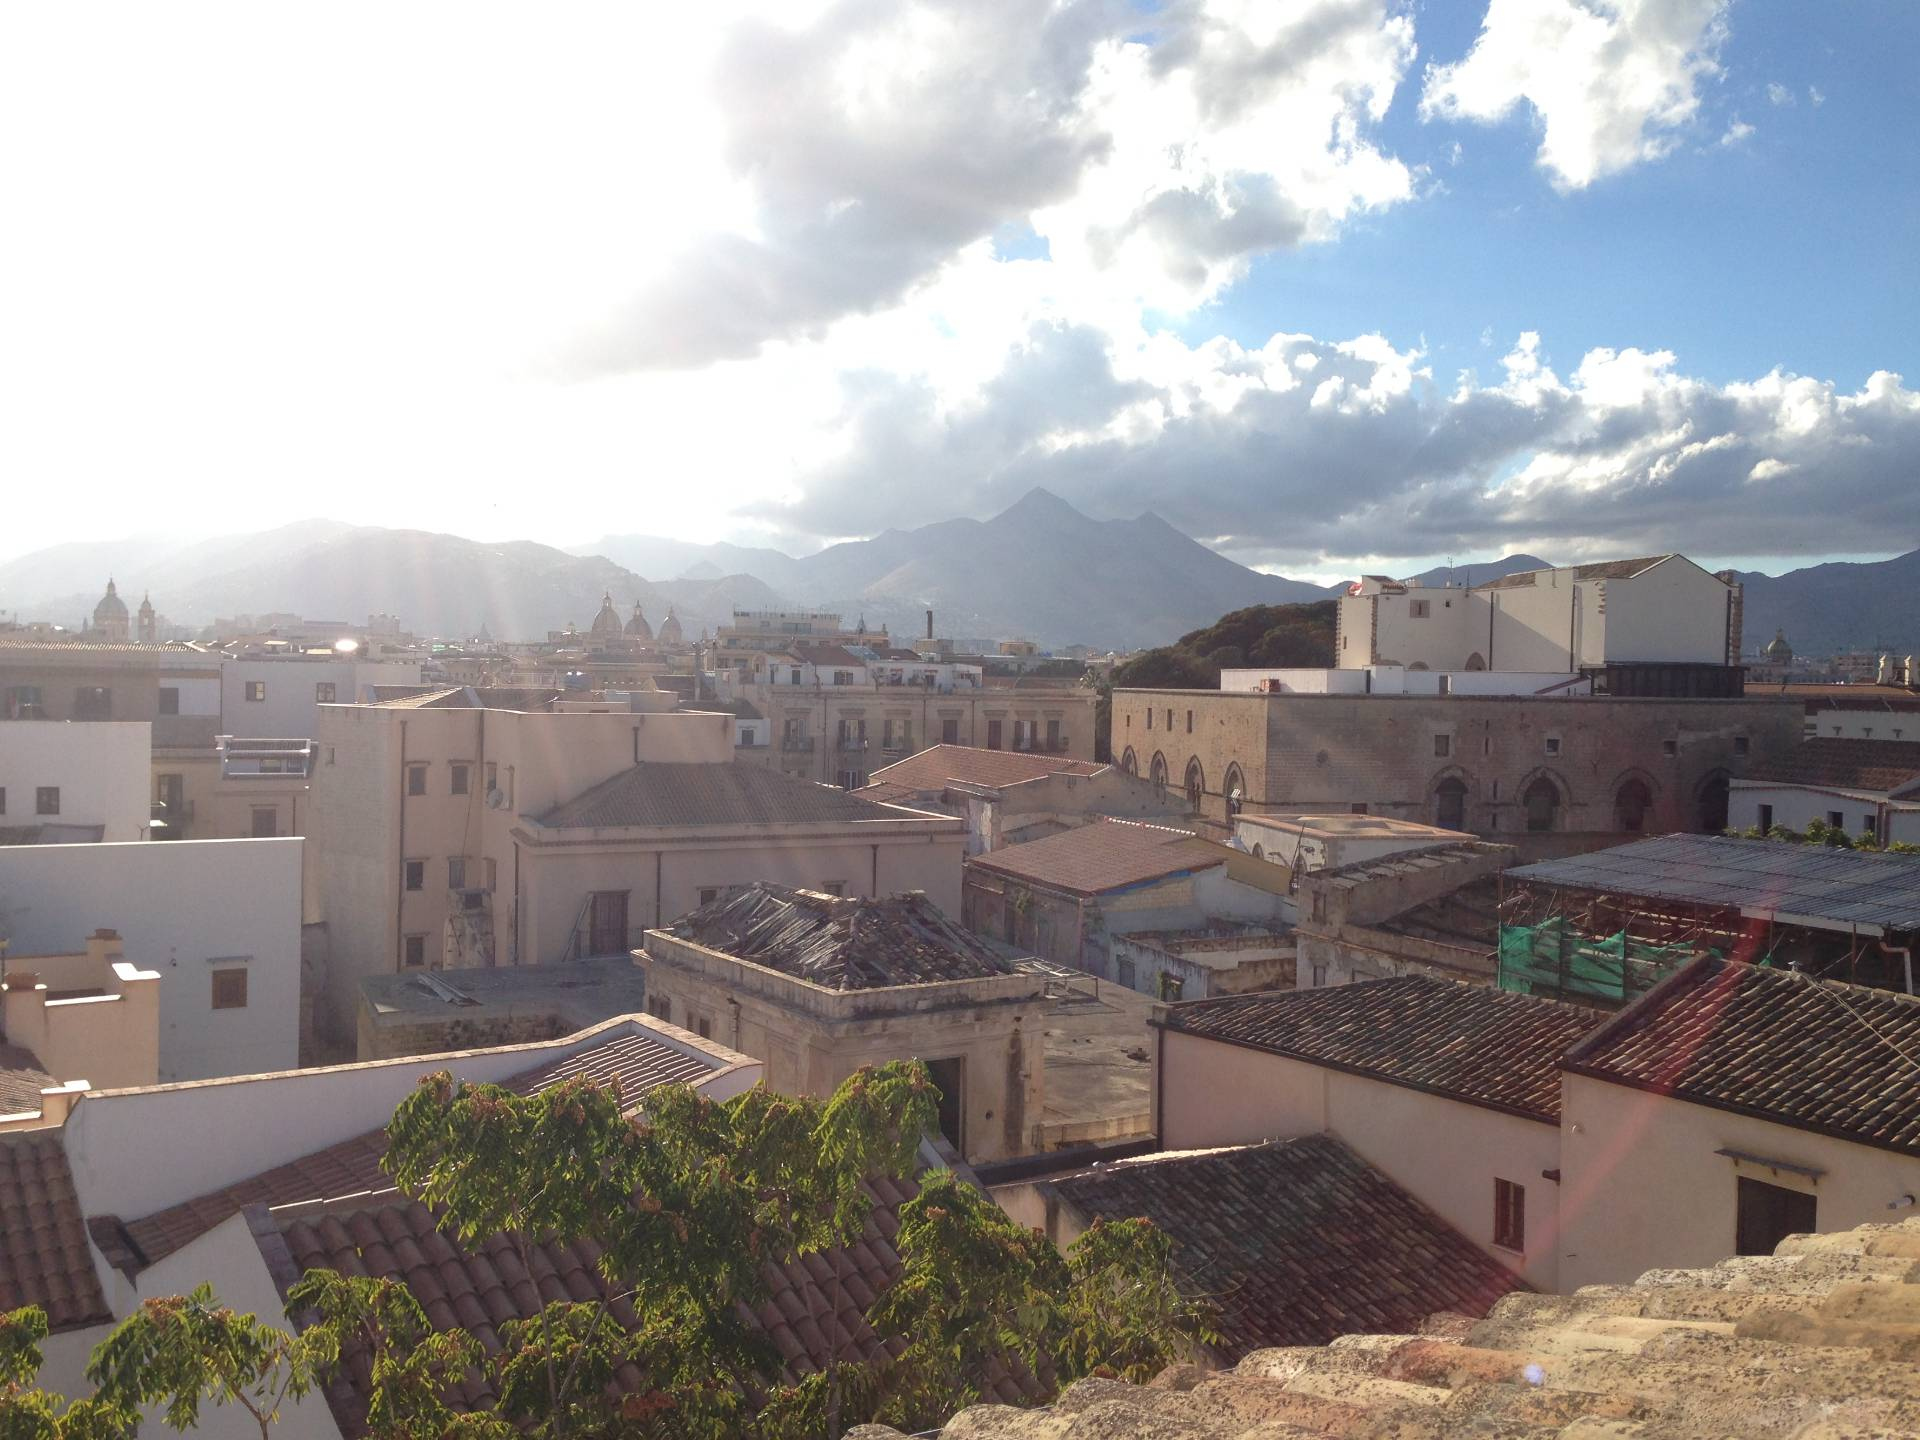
{"x":44,"y":1259}
{"x":1602,"y":570}
{"x":842,"y":944}
{"x":1298,"y":1240}
{"x":673,"y":794}
{"x":465,"y":697}
{"x":22,"y":1078}
{"x":829,"y":655}
{"x":1103,"y":855}
{"x":480,"y":1288}
{"x":1840,"y":1060}
{"x":1813,"y":1340}
{"x":1446,"y":1037}
{"x":1895,"y":699}
{"x":939,"y":766}
{"x":637,"y":1063}
{"x":1884,"y":766}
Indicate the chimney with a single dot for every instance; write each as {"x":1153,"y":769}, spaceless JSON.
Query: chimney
{"x":929,"y":624}
{"x":1736,"y":607}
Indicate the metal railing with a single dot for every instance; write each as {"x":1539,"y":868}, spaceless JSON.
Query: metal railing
{"x":796,"y":742}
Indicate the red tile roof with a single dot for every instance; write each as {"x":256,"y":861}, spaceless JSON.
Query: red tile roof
{"x":480,"y":1288}
{"x":1103,"y":855}
{"x":1883,"y":766}
{"x":1298,"y":1241}
{"x":659,"y":793}
{"x":636,"y":1063}
{"x":22,"y":1078}
{"x":939,"y":766}
{"x":1446,"y":1037}
{"x":1836,"y":1059}
{"x":44,"y":1259}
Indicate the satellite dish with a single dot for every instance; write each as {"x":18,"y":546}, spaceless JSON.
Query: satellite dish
{"x":496,"y":798}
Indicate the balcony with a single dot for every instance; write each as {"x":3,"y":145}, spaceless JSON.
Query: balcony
{"x":852,"y":743}
{"x":802,"y":743}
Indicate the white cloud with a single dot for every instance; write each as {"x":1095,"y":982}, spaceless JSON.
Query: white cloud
{"x":1611,"y":81}
{"x":1778,"y":94}
{"x":1737,"y":131}
{"x":1815,"y":97}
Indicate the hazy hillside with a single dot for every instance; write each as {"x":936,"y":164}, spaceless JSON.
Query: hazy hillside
{"x":1841,"y":606}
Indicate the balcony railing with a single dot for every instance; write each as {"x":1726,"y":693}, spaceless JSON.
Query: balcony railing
{"x":853,"y":742}
{"x":796,"y":742}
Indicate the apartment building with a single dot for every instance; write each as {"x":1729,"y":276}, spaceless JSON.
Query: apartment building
{"x":70,"y":783}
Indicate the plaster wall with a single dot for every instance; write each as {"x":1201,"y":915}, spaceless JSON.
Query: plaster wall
{"x":1641,"y":1186}
{"x":185,"y":909}
{"x":99,"y":766}
{"x":1794,"y":806}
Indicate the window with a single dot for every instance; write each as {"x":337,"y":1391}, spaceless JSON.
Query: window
{"x":1836,"y":819}
{"x":413,"y":874}
{"x":416,"y":779}
{"x":1319,"y":976}
{"x":329,"y":754}
{"x":456,"y":872}
{"x":993,"y":734}
{"x":1553,"y":745}
{"x":1509,"y":1215}
{"x":1189,"y":722}
{"x":493,"y":776}
{"x":1055,"y":740}
{"x":704,"y":1026}
{"x":46,"y":800}
{"x":413,"y":951}
{"x":1870,"y":826}
{"x":92,"y":702}
{"x":1169,"y":717}
{"x":23,"y":703}
{"x":1320,"y":905}
{"x":230,"y":989}
{"x":1766,"y":818}
{"x":458,"y":779}
{"x":169,"y":699}
{"x":1359,"y":809}
{"x":1123,"y":971}
{"x":1866,"y":733}
{"x":1836,"y":730}
{"x":833,"y":887}
{"x":1419,"y":609}
{"x":266,"y":822}
{"x":256,"y":690}
{"x":949,"y":1079}
{"x":1740,"y":744}
{"x":1442,"y":746}
{"x":1669,"y":747}
{"x":660,"y":1007}
{"x":1766,"y":1214}
{"x":949,"y":731}
{"x":1630,"y":805}
{"x":1450,"y":803}
{"x":709,"y":894}
{"x":323,"y":692}
{"x":1196,"y":785}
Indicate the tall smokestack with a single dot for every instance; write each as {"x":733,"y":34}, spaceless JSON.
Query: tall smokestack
{"x":929,"y":624}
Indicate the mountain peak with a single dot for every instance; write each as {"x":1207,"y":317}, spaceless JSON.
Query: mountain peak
{"x":1037,"y":503}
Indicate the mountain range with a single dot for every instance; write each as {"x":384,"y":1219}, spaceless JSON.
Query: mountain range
{"x":1040,"y":569}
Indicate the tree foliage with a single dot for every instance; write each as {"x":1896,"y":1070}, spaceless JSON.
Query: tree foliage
{"x":1819,"y":832}
{"x":687,"y":1209}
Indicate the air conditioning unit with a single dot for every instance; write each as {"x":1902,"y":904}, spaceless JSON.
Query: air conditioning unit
{"x":496,"y":799}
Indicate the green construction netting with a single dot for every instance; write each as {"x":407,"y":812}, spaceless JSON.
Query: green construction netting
{"x":1554,"y":959}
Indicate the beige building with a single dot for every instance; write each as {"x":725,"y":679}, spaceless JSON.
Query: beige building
{"x":72,"y":783}
{"x":1551,"y":1135}
{"x":839,"y":720}
{"x":1864,"y":788}
{"x":1548,"y":774}
{"x":1304,"y":843}
{"x":1007,"y":797}
{"x":816,"y":986}
{"x":70,"y":1023}
{"x":1067,"y":897}
{"x":450,"y":833}
{"x":1613,"y":617}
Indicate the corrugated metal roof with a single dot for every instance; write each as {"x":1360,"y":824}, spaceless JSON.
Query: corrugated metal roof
{"x":1757,"y":877}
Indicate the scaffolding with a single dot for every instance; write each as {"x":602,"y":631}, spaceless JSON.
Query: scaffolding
{"x":1555,"y":959}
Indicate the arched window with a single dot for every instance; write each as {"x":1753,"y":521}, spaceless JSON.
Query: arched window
{"x":1236,"y":791}
{"x":1710,"y":799}
{"x":1157,"y":771}
{"x":1450,"y":803}
{"x":1542,"y":801}
{"x":1196,"y":785}
{"x":1630,"y":805}
{"x":1418,"y":665}
{"x":1259,"y":851}
{"x":1476,"y":661}
{"x":1129,"y":762}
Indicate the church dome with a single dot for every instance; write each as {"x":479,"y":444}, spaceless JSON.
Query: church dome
{"x":670,"y":628}
{"x":638,"y":627}
{"x":607,"y":622}
{"x":1778,"y":651}
{"x":111,"y":607}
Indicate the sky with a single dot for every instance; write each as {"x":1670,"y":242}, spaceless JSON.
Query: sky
{"x":1336,"y":285}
